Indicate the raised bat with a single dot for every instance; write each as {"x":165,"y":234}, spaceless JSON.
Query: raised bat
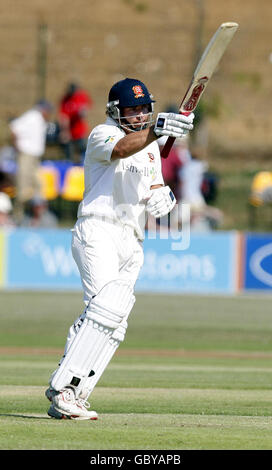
{"x":203,"y":72}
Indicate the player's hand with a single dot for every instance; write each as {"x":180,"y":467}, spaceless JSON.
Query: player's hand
{"x":173,"y":125}
{"x":161,"y":201}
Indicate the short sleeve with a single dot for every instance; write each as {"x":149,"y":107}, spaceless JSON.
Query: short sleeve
{"x":102,"y":141}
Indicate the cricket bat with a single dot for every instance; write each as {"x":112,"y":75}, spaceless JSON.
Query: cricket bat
{"x":203,"y":72}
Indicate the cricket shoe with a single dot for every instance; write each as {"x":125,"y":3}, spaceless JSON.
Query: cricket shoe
{"x":66,"y":406}
{"x":49,"y":393}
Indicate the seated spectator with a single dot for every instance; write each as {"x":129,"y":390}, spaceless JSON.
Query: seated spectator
{"x":8,"y":159}
{"x":261,"y":189}
{"x":38,"y":215}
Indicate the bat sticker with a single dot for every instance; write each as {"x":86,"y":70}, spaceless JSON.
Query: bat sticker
{"x":191,"y":102}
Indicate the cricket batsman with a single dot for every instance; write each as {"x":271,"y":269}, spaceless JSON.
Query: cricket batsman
{"x":123,"y":183}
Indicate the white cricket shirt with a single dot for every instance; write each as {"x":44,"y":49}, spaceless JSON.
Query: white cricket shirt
{"x":30,"y":131}
{"x":117,"y":189}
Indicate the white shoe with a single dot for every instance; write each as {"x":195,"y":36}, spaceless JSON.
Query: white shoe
{"x":66,"y":406}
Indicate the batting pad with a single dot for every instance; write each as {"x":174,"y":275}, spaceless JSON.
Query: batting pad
{"x":103,"y":360}
{"x":88,"y":345}
{"x":98,"y":337}
{"x":112,"y":304}
{"x":100,"y":364}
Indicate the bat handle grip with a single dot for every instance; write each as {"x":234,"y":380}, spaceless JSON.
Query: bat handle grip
{"x":170,"y":141}
{"x":167,"y":147}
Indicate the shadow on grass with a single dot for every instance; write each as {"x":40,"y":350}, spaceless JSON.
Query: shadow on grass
{"x":9,"y":415}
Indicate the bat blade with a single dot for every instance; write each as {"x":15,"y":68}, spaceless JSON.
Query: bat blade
{"x":203,"y":72}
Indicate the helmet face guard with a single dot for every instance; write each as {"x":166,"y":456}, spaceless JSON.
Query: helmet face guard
{"x":115,"y":113}
{"x":129,"y":93}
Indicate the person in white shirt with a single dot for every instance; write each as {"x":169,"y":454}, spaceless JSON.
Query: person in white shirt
{"x":29,"y":139}
{"x":123,"y":182}
{"x":6,"y":219}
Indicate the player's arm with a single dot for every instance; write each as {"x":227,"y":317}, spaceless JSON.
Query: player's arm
{"x":167,"y":124}
{"x":155,"y":186}
{"x":133,"y":143}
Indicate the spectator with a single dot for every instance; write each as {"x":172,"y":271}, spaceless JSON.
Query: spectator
{"x":6,"y":220}
{"x":184,"y":171}
{"x":203,"y":216}
{"x":8,"y":159}
{"x":29,"y":139}
{"x":171,"y":171}
{"x":74,"y":127}
{"x":172,"y":165}
{"x":38,"y":215}
{"x":199,"y":138}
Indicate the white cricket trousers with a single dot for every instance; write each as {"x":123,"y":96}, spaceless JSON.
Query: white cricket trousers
{"x":104,"y":252}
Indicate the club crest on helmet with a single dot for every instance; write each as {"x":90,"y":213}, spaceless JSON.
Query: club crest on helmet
{"x":138,"y":91}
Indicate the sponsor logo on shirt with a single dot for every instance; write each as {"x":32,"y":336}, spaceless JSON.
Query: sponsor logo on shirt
{"x":151,"y":157}
{"x":144,"y":171}
{"x":153,"y":173}
{"x":109,"y":139}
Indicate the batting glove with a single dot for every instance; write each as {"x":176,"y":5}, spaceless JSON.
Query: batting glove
{"x":173,"y":125}
{"x":161,"y":202}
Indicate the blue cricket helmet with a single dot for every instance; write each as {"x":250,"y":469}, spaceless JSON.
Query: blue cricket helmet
{"x":130,"y":92}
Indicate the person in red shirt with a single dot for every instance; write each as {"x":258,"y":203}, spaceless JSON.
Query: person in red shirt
{"x":170,"y":169}
{"x":74,"y":127}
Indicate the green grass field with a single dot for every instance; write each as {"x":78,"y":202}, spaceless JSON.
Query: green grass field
{"x":194,"y":372}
